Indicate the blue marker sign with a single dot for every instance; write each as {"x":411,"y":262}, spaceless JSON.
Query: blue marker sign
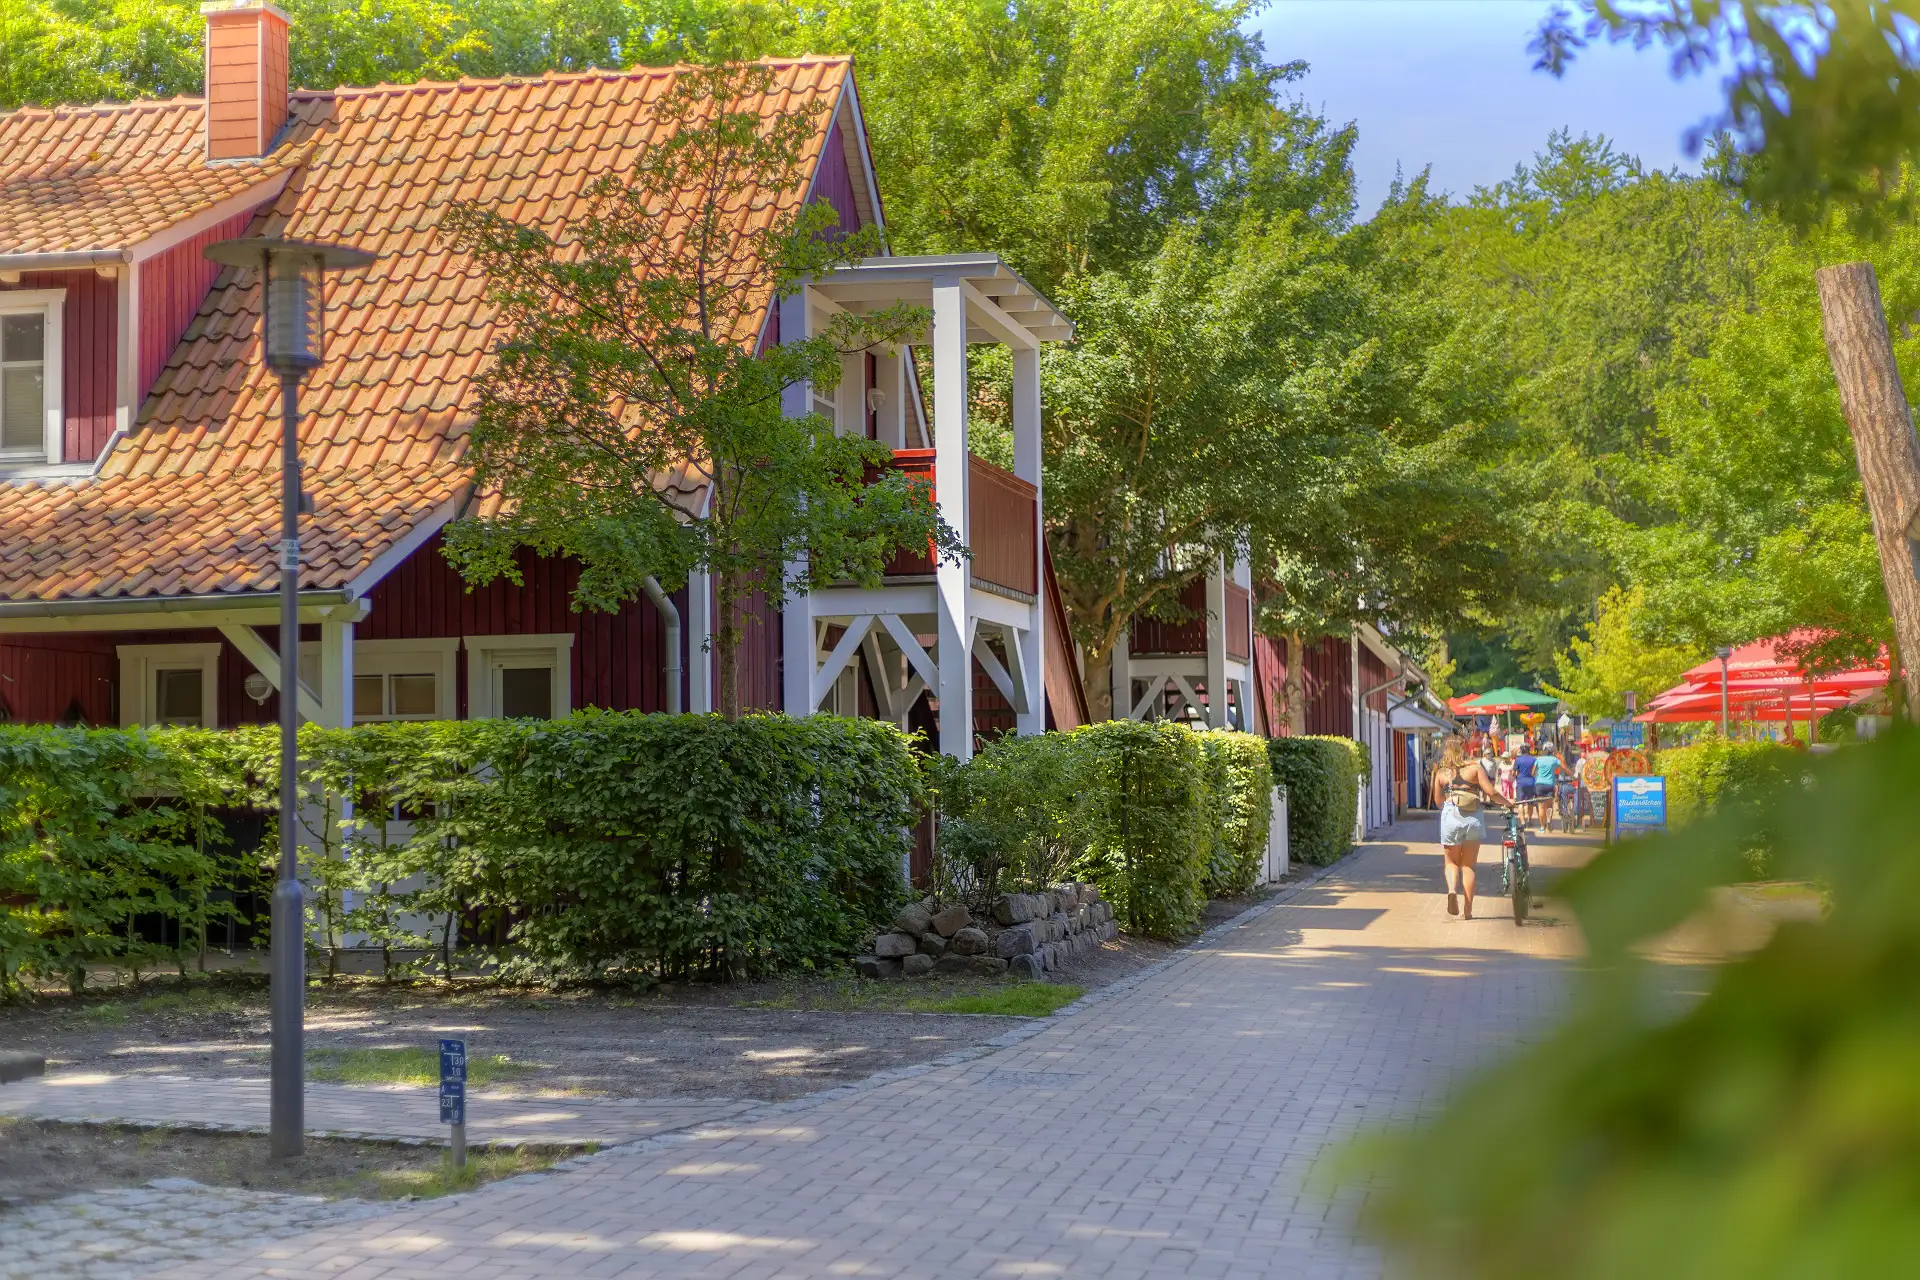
{"x":1639,"y":803}
{"x":453,"y":1082}
{"x":1628,"y":734}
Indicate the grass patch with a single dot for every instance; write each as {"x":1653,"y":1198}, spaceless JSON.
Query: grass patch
{"x":427,"y":1182}
{"x":1021,"y":1000}
{"x":409,"y":1065}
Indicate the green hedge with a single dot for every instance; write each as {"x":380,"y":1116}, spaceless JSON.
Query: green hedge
{"x":1157,"y":814}
{"x":1240,"y":781}
{"x":1702,"y":777}
{"x":1322,"y":776}
{"x":604,"y":847}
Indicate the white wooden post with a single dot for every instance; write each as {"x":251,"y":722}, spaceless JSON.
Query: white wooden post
{"x":955,"y":656}
{"x":699,"y":642}
{"x":1217,"y":645}
{"x":1027,"y":465}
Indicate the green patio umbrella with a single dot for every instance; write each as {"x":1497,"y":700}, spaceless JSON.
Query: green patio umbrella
{"x":1509,"y":699}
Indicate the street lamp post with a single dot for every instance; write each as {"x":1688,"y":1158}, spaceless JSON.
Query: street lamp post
{"x":1723,"y":653}
{"x":292,"y":332}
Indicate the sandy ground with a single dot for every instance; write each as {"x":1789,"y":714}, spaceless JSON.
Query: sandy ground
{"x":769,"y":1040}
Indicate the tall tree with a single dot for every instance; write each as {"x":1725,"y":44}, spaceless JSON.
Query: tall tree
{"x":631,"y":355}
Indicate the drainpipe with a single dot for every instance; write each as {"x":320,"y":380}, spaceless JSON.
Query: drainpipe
{"x":670,"y":616}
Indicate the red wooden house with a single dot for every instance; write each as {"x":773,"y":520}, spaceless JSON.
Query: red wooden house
{"x":138,"y":429}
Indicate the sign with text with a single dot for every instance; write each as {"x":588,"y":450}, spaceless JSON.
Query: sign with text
{"x":1639,"y":803}
{"x":1630,"y":734}
{"x":453,"y":1082}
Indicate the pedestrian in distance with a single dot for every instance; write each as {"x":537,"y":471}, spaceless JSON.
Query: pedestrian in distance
{"x":1467,"y":788}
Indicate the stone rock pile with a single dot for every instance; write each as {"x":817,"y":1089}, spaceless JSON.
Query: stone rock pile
{"x":1026,"y":935}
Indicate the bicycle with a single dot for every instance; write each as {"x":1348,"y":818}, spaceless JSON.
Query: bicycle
{"x":1514,"y":880}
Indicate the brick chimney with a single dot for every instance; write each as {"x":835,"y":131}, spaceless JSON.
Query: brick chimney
{"x":246,"y":77}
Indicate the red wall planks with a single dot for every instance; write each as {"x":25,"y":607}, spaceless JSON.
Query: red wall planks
{"x":44,"y":677}
{"x":90,"y":343}
{"x":1329,"y":685}
{"x":1150,"y":636}
{"x":173,"y":284}
{"x":617,"y":658}
{"x":833,"y":182}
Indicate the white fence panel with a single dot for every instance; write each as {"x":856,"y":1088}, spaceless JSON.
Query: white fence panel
{"x":1276,"y":863}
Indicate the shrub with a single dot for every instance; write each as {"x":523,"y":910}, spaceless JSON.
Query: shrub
{"x":605,"y":846}
{"x":1149,"y":822}
{"x":1240,"y":781}
{"x":1702,"y":777}
{"x":1156,"y":814}
{"x":98,"y":828}
{"x":1322,"y":776}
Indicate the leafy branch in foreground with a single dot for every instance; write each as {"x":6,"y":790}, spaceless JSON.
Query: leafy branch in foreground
{"x":634,"y":416}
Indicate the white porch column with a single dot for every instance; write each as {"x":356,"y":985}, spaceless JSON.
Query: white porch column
{"x":1027,"y":465}
{"x":796,"y":617}
{"x":955,"y":656}
{"x":1217,"y":645}
{"x":336,"y":674}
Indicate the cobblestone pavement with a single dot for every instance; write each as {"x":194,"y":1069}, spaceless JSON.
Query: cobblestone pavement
{"x":1167,"y":1127}
{"x":349,"y":1111}
{"x":136,"y":1231}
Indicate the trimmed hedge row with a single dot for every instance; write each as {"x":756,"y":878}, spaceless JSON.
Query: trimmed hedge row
{"x":1715,"y":774}
{"x":607,"y":846}
{"x":1156,"y":814}
{"x":1322,"y":776}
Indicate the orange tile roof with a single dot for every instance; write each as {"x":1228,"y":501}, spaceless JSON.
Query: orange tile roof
{"x":188,"y":503}
{"x":77,"y":179}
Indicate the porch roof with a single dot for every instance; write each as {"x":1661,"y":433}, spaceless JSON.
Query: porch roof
{"x":1005,"y":307}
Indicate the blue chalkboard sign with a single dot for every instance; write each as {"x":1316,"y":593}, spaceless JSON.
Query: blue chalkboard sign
{"x":1639,"y":803}
{"x":453,"y":1082}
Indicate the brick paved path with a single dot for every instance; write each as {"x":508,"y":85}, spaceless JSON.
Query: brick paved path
{"x":1164,"y":1130}
{"x":356,"y":1111}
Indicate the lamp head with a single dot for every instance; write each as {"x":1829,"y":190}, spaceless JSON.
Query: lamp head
{"x":292,"y":298}
{"x":1723,"y":653}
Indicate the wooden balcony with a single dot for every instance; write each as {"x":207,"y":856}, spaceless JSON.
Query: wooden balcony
{"x":1188,"y":638}
{"x":1003,"y":512}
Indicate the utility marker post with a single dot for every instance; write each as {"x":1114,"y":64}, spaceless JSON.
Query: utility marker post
{"x":453,"y":1095}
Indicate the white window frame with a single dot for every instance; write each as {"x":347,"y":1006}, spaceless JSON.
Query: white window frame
{"x":140,"y":663}
{"x":411,"y":657}
{"x":486,"y":655}
{"x":51,"y":305}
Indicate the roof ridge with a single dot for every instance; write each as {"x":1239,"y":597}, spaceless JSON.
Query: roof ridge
{"x":134,"y":104}
{"x":637,"y":71}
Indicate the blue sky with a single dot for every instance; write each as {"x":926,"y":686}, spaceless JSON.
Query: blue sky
{"x":1448,"y":83}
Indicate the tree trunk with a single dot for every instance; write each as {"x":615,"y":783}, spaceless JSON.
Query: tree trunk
{"x":726,"y":641}
{"x":1098,"y":679}
{"x":1294,"y":691}
{"x":1881,"y":421}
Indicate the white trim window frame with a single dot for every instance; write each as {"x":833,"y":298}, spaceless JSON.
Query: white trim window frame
{"x":50,"y":306}
{"x":488,"y":656}
{"x":140,"y":669}
{"x":383,"y":660}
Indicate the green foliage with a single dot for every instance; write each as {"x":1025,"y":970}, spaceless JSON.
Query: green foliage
{"x":98,"y":828}
{"x":1240,"y":782}
{"x":1822,"y":99}
{"x":1322,"y":777}
{"x":1157,"y":814}
{"x":1767,"y":1130}
{"x":1714,"y":773}
{"x":1614,"y":658}
{"x":631,"y":352}
{"x":610,"y":846}
{"x":1023,"y":1000}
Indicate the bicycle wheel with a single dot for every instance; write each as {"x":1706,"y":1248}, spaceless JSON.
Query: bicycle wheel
{"x":1518,"y":890}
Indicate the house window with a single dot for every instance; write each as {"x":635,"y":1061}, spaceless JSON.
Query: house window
{"x":170,"y":684}
{"x":511,"y":677}
{"x":30,"y":419}
{"x":403,"y":680}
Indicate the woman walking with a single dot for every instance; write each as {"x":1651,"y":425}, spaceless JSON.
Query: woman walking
{"x":1466,"y":787}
